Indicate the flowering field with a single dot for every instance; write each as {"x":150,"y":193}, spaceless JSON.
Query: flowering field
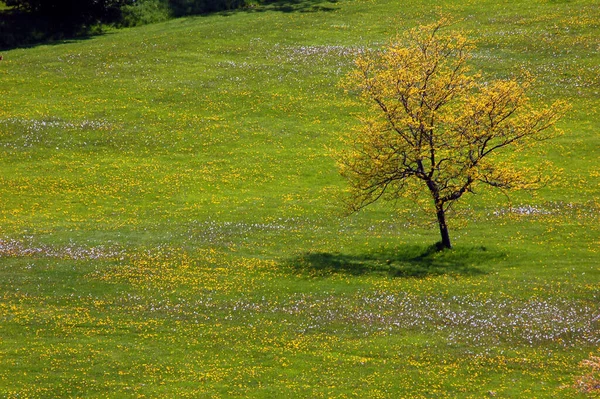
{"x":170,"y":223}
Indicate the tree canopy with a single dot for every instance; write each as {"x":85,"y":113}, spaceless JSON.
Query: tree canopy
{"x":433,"y":125}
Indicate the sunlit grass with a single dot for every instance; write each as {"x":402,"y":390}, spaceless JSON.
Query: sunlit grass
{"x":170,"y":223}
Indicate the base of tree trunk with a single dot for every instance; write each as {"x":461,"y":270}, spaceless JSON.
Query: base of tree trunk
{"x":440,"y":246}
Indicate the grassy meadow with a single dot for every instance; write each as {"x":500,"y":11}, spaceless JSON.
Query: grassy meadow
{"x":170,"y":222}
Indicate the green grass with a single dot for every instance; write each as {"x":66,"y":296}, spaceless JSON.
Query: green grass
{"x":169,"y":222}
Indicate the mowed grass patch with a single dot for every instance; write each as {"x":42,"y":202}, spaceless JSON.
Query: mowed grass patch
{"x":170,"y":222}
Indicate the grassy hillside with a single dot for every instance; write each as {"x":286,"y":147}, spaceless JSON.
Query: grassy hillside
{"x":169,"y":222}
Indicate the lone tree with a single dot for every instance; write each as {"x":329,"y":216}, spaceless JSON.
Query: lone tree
{"x":434,"y":126}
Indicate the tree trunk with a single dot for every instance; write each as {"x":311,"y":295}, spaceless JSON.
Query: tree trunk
{"x":441,"y":217}
{"x":441,"y":214}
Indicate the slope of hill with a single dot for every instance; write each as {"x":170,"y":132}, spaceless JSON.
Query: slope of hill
{"x":169,"y":224}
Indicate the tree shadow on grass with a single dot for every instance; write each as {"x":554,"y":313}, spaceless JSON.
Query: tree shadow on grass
{"x":404,"y":261}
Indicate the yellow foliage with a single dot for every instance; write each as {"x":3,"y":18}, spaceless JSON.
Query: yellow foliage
{"x":434,"y":125}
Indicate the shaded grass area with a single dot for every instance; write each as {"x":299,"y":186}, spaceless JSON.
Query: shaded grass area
{"x":406,"y":261}
{"x":294,"y":6}
{"x":22,"y":29}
